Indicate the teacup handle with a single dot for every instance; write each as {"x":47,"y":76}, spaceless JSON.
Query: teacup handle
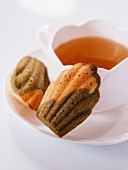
{"x":44,"y":35}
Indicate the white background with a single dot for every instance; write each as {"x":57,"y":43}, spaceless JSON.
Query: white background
{"x":22,"y":148}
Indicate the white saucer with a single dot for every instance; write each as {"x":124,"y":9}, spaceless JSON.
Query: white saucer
{"x":99,"y":129}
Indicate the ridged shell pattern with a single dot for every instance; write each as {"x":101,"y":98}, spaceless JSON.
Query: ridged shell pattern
{"x":30,"y":81}
{"x":69,"y":100}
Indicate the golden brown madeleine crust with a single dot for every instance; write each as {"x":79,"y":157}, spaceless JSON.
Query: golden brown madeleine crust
{"x":30,"y":81}
{"x":69,"y":100}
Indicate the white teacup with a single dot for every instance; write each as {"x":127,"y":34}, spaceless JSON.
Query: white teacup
{"x":114,"y":82}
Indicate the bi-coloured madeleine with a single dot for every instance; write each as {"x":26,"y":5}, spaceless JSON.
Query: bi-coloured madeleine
{"x":29,"y":82}
{"x":69,"y":100}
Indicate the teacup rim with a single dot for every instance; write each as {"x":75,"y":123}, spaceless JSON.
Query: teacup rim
{"x":78,"y":25}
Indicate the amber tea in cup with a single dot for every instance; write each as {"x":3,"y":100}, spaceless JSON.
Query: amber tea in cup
{"x":102,"y":52}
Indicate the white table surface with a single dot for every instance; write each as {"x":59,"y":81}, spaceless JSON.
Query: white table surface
{"x":22,"y":148}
